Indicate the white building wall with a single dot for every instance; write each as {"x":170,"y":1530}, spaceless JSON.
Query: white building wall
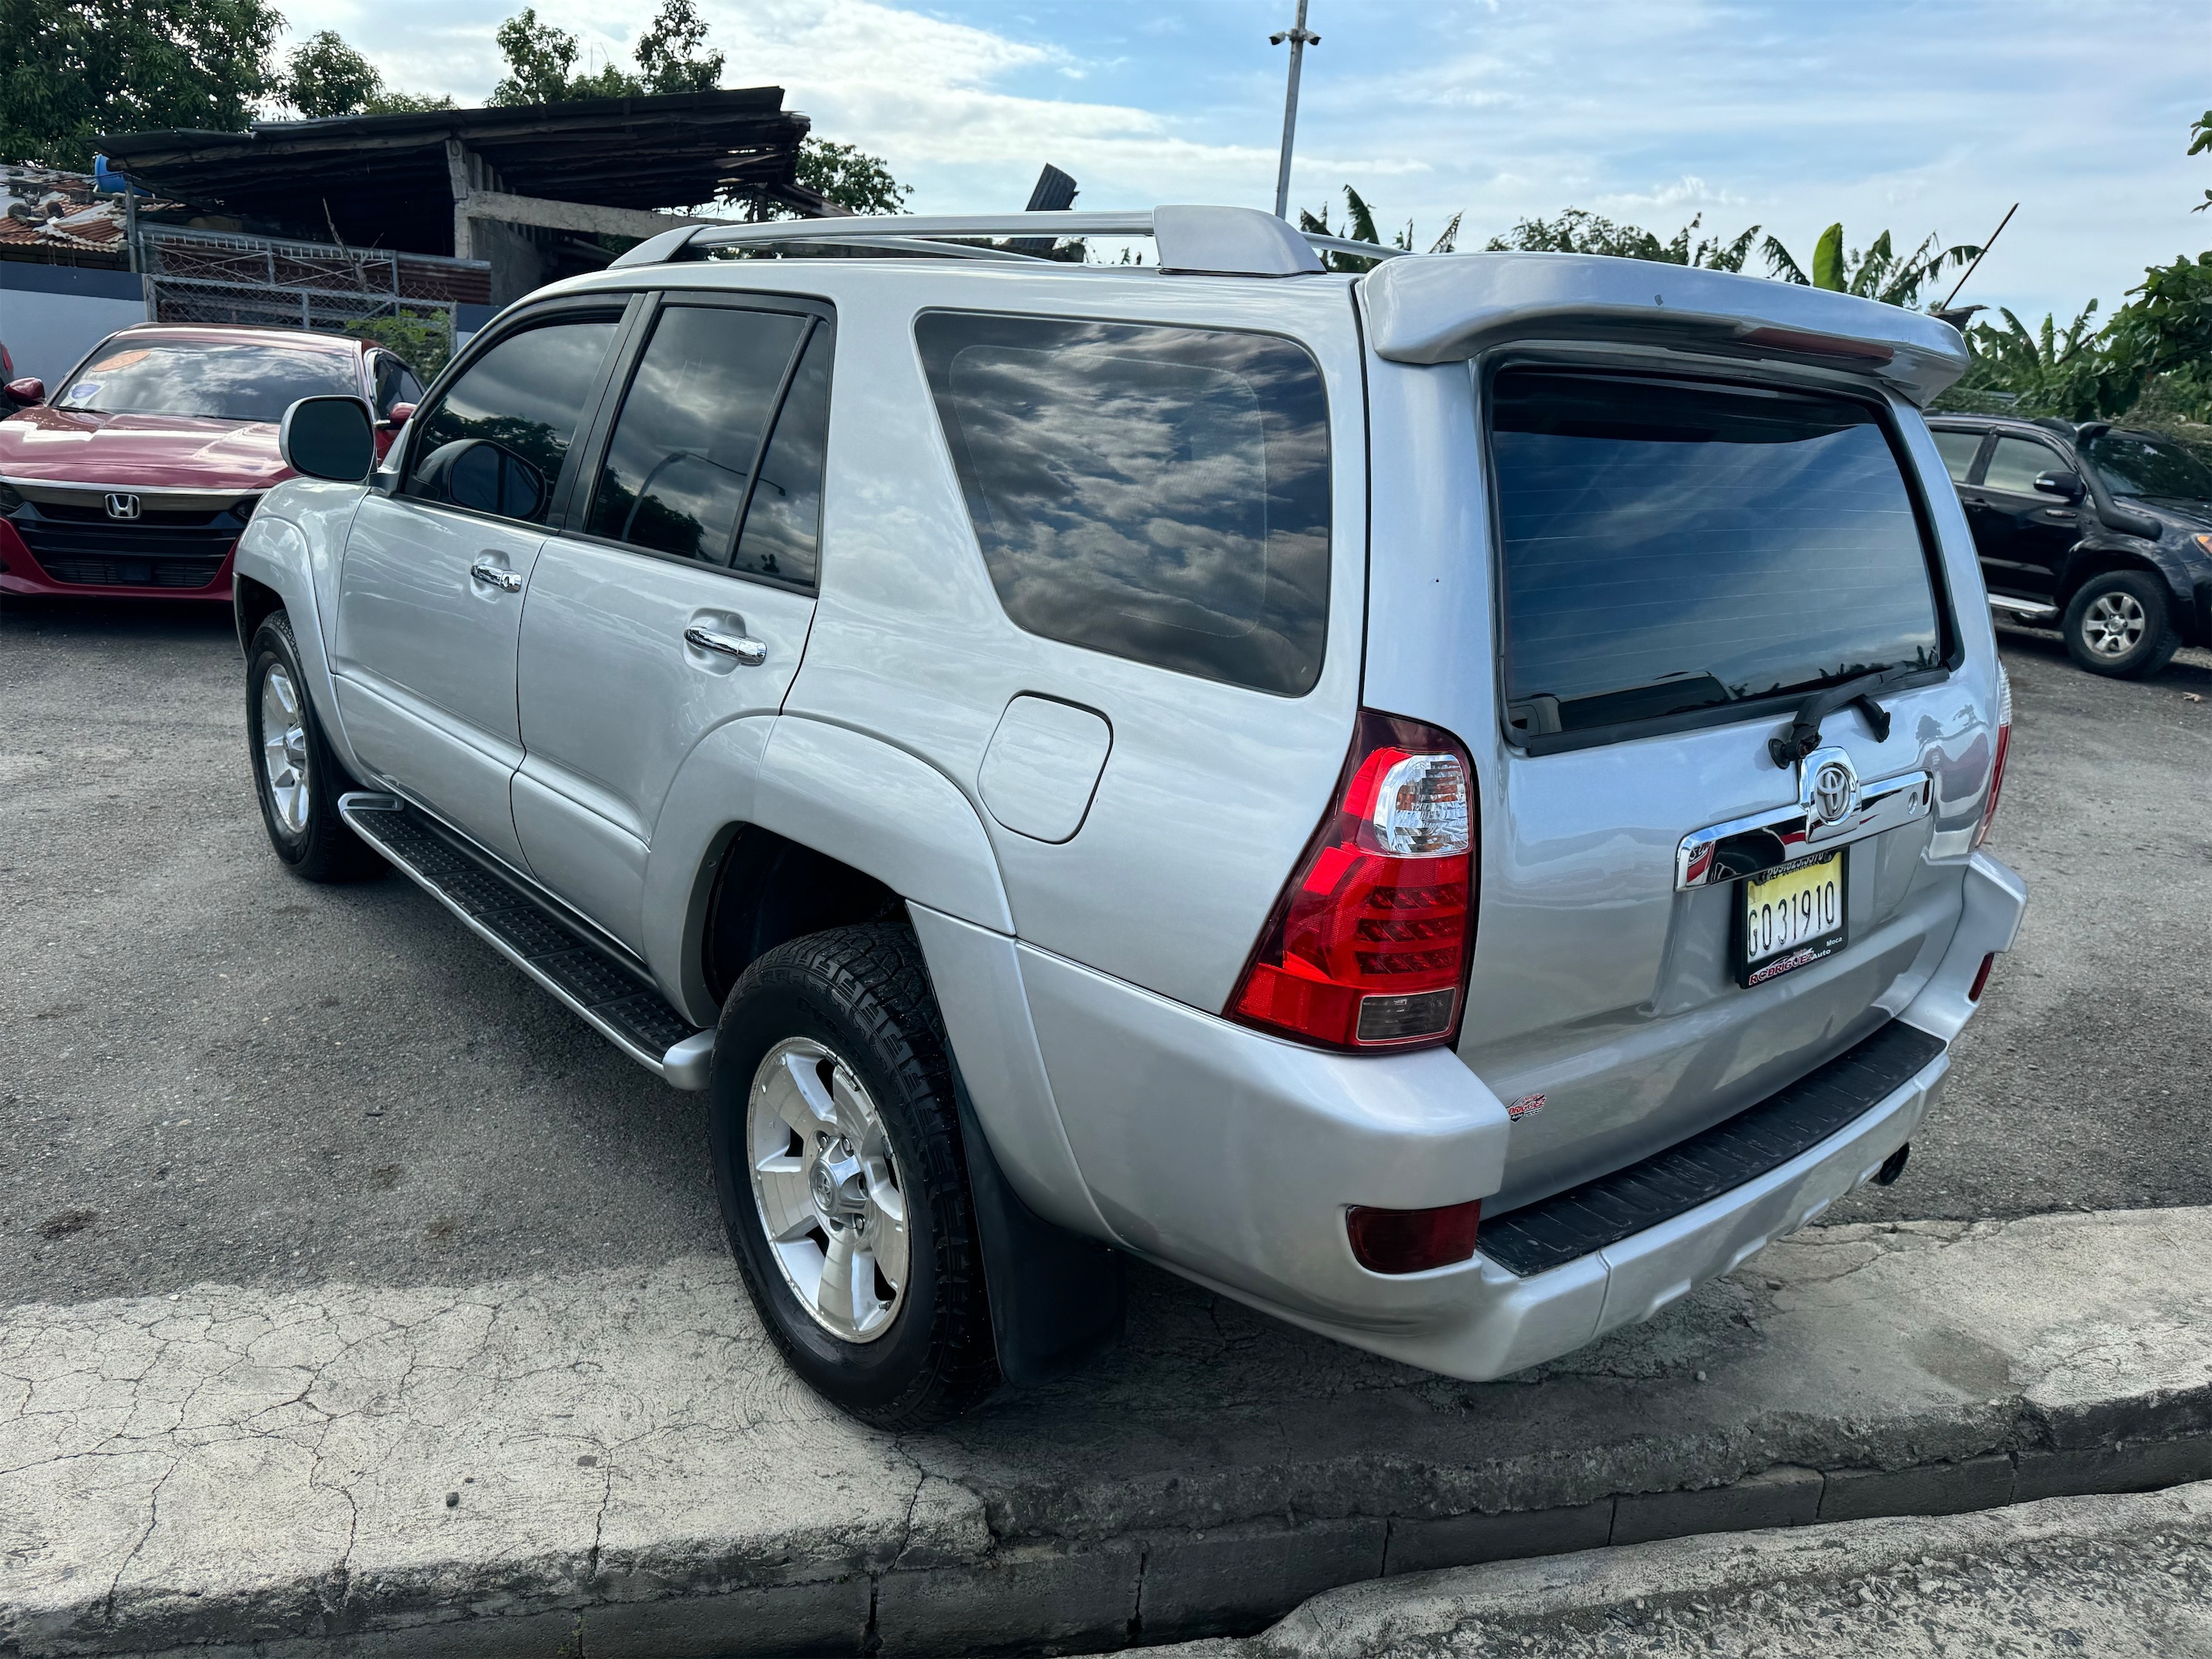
{"x":52,"y":315}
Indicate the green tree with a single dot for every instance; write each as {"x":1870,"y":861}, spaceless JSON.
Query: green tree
{"x":541,"y":60}
{"x":72,"y":69}
{"x":1877,"y":272}
{"x":325,"y":76}
{"x":1577,"y":230}
{"x":850,"y":177}
{"x":1359,"y":227}
{"x":2043,"y":371}
{"x":671,"y":53}
{"x":423,"y":343}
{"x":539,"y":57}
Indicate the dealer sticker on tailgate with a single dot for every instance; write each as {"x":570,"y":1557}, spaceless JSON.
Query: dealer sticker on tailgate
{"x":1789,"y":917}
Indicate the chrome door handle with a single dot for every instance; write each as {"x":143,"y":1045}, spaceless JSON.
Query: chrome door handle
{"x":491,"y":575}
{"x":745,"y":648}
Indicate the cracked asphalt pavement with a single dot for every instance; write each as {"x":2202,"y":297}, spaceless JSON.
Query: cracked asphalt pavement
{"x":211,"y":1072}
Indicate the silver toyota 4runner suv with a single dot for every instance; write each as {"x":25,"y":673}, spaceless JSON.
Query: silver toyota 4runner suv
{"x":1440,"y":803}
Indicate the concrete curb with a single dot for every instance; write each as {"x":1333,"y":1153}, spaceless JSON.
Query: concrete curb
{"x":1651,"y":1591}
{"x":617,"y":1462}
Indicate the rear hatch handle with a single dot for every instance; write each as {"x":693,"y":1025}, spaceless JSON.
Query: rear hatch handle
{"x":1805,"y":730}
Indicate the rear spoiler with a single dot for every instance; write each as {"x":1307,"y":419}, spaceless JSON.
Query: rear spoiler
{"x":1447,"y":308}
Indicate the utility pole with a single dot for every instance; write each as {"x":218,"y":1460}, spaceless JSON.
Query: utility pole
{"x":1299,"y":39}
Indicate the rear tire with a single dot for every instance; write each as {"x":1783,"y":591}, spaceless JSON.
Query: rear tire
{"x":836,"y":1141}
{"x":2120,"y":623}
{"x":297,"y":778}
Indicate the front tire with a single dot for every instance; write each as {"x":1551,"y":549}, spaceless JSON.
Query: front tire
{"x":2120,"y":623}
{"x":836,"y":1141}
{"x":297,"y":778}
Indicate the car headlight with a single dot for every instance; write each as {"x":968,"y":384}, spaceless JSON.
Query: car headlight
{"x":9,"y":500}
{"x":243,"y":506}
{"x":2203,"y":542}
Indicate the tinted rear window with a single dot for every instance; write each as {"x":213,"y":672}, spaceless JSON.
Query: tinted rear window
{"x":1158,"y":494}
{"x":1671,"y":547}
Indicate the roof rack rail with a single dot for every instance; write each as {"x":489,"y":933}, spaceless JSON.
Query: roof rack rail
{"x":1215,"y":242}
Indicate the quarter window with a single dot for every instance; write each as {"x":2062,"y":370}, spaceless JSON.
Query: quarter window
{"x":497,"y":439}
{"x":2015,"y":461}
{"x":1157,"y":494}
{"x":686,"y":455}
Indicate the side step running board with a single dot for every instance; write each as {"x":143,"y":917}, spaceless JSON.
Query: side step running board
{"x":2026,"y":611}
{"x":603,"y":986}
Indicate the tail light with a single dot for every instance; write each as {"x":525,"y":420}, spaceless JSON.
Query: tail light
{"x":2003,"y":751}
{"x":1368,"y":945}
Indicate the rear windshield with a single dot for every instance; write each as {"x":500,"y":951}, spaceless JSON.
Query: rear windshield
{"x":1671,"y":547}
{"x":213,"y":379}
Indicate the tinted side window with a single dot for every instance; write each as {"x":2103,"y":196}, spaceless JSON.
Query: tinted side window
{"x":1958,"y":450}
{"x":1670,"y":548}
{"x":1160,"y":493}
{"x":2015,"y":461}
{"x":683,"y":453}
{"x":497,"y":439}
{"x":784,"y":522}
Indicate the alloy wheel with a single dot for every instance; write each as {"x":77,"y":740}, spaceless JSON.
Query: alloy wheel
{"x":284,"y":749}
{"x":2114,"y":622}
{"x":826,"y":1189}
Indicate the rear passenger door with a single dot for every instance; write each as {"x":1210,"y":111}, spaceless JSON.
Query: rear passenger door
{"x":678,"y":596}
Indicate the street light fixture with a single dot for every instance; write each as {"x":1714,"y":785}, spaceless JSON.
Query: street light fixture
{"x":1300,"y":39}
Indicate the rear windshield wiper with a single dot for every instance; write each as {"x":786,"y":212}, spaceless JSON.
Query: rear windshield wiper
{"x":1805,"y":730}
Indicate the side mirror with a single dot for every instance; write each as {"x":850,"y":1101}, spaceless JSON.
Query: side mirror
{"x":484,"y":476}
{"x":2068,"y":484}
{"x":26,"y":392}
{"x":330,"y":438}
{"x":400,"y":415}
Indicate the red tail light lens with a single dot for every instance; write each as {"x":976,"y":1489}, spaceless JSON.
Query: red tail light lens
{"x":1368,"y":946}
{"x":2003,"y":751}
{"x":1982,"y":977}
{"x":1412,"y":1241}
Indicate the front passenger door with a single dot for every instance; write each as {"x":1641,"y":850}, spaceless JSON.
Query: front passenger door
{"x":2023,"y":535}
{"x":431,"y":590}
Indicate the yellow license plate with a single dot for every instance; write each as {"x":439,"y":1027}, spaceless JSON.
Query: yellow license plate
{"x":1789,"y":917}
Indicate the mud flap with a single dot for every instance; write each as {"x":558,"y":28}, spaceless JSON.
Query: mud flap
{"x":1057,"y":1298}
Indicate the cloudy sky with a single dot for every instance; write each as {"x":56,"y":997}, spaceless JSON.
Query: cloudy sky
{"x":1915,"y":115}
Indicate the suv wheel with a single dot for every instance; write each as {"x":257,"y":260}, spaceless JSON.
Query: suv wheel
{"x":837,"y":1150}
{"x":296,"y":776}
{"x":2119,"y":623}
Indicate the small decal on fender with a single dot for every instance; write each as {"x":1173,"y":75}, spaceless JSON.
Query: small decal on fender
{"x":1526,"y":1106}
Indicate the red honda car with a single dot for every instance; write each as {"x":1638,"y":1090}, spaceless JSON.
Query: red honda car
{"x":135,"y":478}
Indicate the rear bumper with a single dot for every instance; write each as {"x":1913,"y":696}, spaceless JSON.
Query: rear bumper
{"x":21,"y":573}
{"x":1229,"y":1157}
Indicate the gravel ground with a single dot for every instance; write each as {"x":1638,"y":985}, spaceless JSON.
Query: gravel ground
{"x":208,"y":1071}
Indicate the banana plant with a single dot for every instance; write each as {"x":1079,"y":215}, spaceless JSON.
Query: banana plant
{"x":1359,"y":227}
{"x":1878,"y":272}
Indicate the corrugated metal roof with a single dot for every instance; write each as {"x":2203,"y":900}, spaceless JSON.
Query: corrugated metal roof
{"x":381,"y":180}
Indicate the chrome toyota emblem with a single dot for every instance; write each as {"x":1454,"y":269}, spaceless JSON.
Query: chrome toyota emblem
{"x":1829,"y":789}
{"x":121,"y":507}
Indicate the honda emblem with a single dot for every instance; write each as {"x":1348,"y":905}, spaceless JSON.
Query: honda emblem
{"x":121,"y":507}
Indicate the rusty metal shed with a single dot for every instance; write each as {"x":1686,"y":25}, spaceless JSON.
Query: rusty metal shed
{"x":527,"y":187}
